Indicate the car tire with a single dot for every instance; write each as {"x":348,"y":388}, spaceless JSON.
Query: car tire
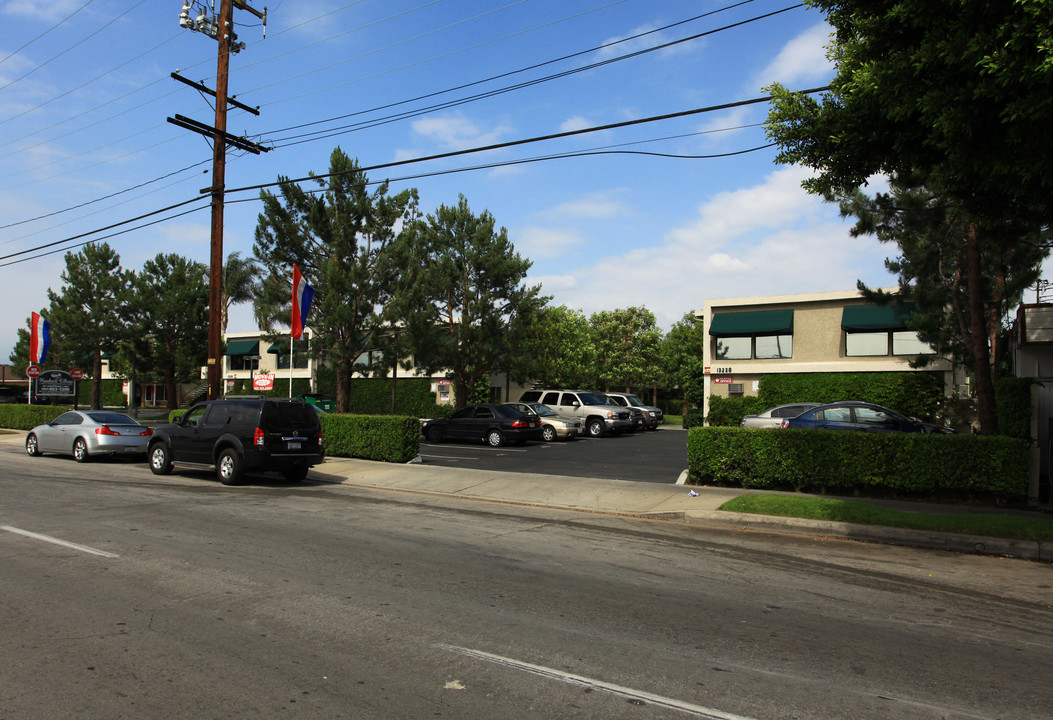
{"x":160,"y":459}
{"x":434,"y":435}
{"x":494,"y":438}
{"x":295,"y":474}
{"x":80,"y":450}
{"x":228,"y":467}
{"x":33,"y":446}
{"x":548,"y":433}
{"x":595,"y":428}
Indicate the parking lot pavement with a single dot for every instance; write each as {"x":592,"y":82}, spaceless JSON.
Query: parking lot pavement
{"x":655,"y":457}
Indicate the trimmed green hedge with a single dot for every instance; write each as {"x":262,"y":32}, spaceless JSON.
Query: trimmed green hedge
{"x":728,"y":412}
{"x":27,"y":417}
{"x":389,"y":438}
{"x":847,"y":463}
{"x":911,"y":393}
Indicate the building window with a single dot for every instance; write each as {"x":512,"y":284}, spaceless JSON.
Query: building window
{"x":866,"y":344}
{"x":871,"y":330}
{"x":758,"y":334}
{"x":906,"y":342}
{"x":244,"y":362}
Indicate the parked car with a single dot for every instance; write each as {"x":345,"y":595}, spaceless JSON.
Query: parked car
{"x":649,"y":416}
{"x":88,"y":433}
{"x":597,"y":414}
{"x":239,"y":433}
{"x":8,"y":395}
{"x":773,"y":417}
{"x":860,"y":416}
{"x":552,"y":425}
{"x":490,"y":423}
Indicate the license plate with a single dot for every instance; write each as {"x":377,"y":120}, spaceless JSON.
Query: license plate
{"x":294,"y":446}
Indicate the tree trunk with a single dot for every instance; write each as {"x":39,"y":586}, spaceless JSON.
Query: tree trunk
{"x":985,"y":396}
{"x":96,"y":380}
{"x":343,"y":390}
{"x":171,"y":390}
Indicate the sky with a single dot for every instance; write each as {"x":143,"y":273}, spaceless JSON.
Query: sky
{"x":706,"y":213}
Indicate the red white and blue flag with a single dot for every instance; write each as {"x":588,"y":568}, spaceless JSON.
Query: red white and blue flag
{"x":39,"y":339}
{"x":302,"y":295}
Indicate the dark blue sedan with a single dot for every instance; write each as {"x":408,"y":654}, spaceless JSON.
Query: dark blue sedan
{"x":490,"y":423}
{"x":861,"y":417}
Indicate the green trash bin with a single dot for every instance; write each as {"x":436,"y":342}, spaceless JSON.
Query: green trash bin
{"x":325,"y":403}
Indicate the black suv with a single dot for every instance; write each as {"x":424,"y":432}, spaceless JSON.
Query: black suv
{"x":239,"y":433}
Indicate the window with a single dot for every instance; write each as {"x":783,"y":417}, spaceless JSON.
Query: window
{"x":837,"y":414}
{"x":871,"y":330}
{"x":244,"y":362}
{"x":551,"y":398}
{"x":906,"y":342}
{"x":866,"y":344}
{"x":757,"y":334}
{"x":495,"y":394}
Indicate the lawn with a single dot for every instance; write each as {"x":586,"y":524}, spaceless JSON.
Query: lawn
{"x":1000,"y":525}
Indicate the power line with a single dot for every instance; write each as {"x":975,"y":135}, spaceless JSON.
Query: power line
{"x":56,"y":25}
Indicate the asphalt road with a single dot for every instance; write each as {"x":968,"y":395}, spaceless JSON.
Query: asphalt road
{"x":128,"y":595}
{"x":657,"y":456}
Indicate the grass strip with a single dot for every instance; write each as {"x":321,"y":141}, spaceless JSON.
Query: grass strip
{"x":1001,"y":525}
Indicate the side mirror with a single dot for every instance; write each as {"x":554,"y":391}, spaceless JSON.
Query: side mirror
{"x":178,"y":419}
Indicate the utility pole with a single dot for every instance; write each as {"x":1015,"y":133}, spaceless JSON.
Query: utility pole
{"x":201,"y":20}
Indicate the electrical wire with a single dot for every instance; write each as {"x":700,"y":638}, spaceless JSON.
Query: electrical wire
{"x":56,"y":25}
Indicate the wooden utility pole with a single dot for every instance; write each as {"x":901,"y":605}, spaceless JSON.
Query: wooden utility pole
{"x":222,"y":29}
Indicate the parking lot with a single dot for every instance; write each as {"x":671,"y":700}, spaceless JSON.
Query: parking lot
{"x":659,"y":456}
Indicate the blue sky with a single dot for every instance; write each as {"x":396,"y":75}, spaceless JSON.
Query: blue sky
{"x":83,"y":107}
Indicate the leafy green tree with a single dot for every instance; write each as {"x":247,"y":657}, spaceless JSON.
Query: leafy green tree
{"x":957,"y":94}
{"x":555,"y":349}
{"x":88,"y":315}
{"x":931,"y":232}
{"x":463,"y":293}
{"x":626,"y":342}
{"x":680,"y":360}
{"x":172,"y":302}
{"x":240,"y":278}
{"x":340,"y":239}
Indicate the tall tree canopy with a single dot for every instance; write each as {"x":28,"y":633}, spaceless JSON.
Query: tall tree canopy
{"x":88,"y":315}
{"x":555,"y":349}
{"x":626,"y":342}
{"x":340,"y":239}
{"x":959,"y":94}
{"x":172,"y":307}
{"x":680,"y":354}
{"x":463,"y":292}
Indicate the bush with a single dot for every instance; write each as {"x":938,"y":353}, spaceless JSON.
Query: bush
{"x":911,"y":393}
{"x":27,"y":417}
{"x":1013,"y":397}
{"x":694,"y":419}
{"x":389,"y":438}
{"x":728,"y":412}
{"x":860,"y":463}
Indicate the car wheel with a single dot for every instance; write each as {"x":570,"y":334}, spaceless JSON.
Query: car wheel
{"x":160,"y":459}
{"x":228,"y":467}
{"x":80,"y":450}
{"x":295,"y":474}
{"x":595,"y":428}
{"x":434,"y":434}
{"x":494,"y":438}
{"x":548,"y":433}
{"x":33,"y":446}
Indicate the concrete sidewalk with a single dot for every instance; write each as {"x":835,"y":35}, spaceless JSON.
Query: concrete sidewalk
{"x":687,"y":503}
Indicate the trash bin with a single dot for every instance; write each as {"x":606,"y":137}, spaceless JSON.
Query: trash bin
{"x":325,"y":403}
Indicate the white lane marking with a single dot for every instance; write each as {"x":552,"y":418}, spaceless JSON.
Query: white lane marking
{"x":595,"y":684}
{"x":57,"y":541}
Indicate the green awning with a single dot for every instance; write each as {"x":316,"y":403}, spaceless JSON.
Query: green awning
{"x":282,"y":348}
{"x":748,"y":324}
{"x":874,"y":318}
{"x":243,"y":347}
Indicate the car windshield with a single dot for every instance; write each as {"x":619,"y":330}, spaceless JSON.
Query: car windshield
{"x":542,"y":410}
{"x":634,"y":401}
{"x":289,"y":415}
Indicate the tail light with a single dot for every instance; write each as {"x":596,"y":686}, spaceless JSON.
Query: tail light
{"x":105,"y":430}
{"x":258,"y":438}
{"x":521,"y":424}
{"x":785,"y":423}
{"x":147,"y":432}
{"x":319,"y":437}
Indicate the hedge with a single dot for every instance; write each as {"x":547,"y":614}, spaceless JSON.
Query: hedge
{"x":389,"y":438}
{"x":27,"y":417}
{"x":911,"y":393}
{"x":848,"y":463}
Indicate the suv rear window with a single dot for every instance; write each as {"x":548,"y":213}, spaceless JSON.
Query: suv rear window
{"x":289,"y":415}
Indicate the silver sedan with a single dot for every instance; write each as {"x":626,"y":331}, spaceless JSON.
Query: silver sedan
{"x":86,"y":433}
{"x":552,"y":425}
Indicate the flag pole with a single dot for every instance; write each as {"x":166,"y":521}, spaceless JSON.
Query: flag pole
{"x":290,"y":364}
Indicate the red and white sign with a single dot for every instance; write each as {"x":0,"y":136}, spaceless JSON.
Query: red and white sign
{"x":76,"y":374}
{"x":32,"y":371}
{"x":263,"y":381}
{"x":724,"y":379}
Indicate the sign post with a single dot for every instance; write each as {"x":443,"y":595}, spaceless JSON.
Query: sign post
{"x":77,"y":374}
{"x":32,"y":372}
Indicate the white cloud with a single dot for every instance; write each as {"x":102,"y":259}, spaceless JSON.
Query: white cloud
{"x":574,"y":123}
{"x":536,"y":242}
{"x":800,"y":60}
{"x":596,"y":205}
{"x":46,"y":11}
{"x":456,"y":132}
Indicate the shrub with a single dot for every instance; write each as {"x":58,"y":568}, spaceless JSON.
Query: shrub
{"x":728,"y":412}
{"x":389,"y":438}
{"x":854,"y":463}
{"x":1013,"y":397}
{"x":27,"y":417}
{"x":911,"y":393}
{"x":694,"y":419}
